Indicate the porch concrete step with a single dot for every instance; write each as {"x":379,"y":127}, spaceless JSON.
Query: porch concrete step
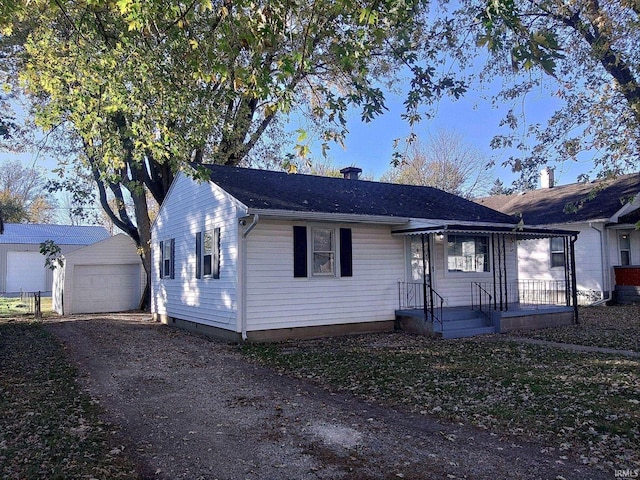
{"x":470,"y":322}
{"x":467,"y":332}
{"x":459,"y":313}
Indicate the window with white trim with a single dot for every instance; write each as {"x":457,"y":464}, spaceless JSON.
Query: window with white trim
{"x":167,"y":258}
{"x":323,"y":246}
{"x":468,"y":253}
{"x":325,"y":251}
{"x":208,"y":254}
{"x":624,"y":241}
{"x":556,"y":249}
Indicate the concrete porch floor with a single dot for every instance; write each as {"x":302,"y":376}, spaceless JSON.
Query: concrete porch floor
{"x":464,"y":321}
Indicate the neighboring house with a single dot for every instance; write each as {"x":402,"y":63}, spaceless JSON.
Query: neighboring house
{"x":608,"y":250}
{"x":267,"y":255}
{"x":106,"y":276}
{"x":22,"y":266}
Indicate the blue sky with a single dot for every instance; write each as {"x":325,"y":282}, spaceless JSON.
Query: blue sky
{"x":370,"y":145}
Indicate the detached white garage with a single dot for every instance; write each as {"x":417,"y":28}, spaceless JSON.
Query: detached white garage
{"x":103,"y":277}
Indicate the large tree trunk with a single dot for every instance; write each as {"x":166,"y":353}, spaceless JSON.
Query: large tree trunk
{"x":144,"y":248}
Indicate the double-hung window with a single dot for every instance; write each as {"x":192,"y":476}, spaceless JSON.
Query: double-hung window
{"x":208,"y":254}
{"x":468,"y":253}
{"x":625,"y":249}
{"x":556,"y":247}
{"x":167,"y":258}
{"x":323,"y":251}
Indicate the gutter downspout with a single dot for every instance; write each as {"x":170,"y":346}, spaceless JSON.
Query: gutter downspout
{"x":243,"y":275}
{"x":606,"y":279}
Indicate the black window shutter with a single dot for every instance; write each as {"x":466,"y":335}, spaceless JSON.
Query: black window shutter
{"x":216,"y":253}
{"x":199,"y":255}
{"x":346,"y":261}
{"x":161,"y":271}
{"x":299,"y":251}
{"x":173,"y":258}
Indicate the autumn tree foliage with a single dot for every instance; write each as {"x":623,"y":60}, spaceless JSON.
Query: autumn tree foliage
{"x":585,"y":54}
{"x":141,"y":87}
{"x":443,"y":161}
{"x":23,"y":194}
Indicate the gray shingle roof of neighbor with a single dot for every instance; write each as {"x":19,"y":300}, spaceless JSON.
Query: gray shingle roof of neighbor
{"x":546,"y":206}
{"x":264,"y":189}
{"x":30,"y":233}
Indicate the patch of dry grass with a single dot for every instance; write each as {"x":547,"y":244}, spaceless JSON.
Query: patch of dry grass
{"x":583,"y":405}
{"x":616,"y":327}
{"x":11,"y":307}
{"x":49,"y":428}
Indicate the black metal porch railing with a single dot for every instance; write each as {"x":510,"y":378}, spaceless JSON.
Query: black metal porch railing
{"x":525,"y":293}
{"x":481,"y":300}
{"x":411,"y":295}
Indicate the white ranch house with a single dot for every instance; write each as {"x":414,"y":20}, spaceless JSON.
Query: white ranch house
{"x":608,"y":247}
{"x":263,"y":255}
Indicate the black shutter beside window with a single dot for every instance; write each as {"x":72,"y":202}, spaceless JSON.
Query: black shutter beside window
{"x":161,"y":270}
{"x":216,"y":253}
{"x":173,"y":258}
{"x":199,"y":255}
{"x":346,"y":260}
{"x":299,"y":251}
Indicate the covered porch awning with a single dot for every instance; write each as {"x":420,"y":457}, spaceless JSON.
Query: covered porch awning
{"x":498,"y":234}
{"x":418,"y":227}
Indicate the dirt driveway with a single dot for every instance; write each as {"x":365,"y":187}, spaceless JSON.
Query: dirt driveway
{"x":192,"y":408}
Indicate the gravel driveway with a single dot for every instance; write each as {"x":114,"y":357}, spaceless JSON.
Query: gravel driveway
{"x":193,"y":408}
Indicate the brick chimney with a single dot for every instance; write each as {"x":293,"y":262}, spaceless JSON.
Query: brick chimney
{"x":546,"y":178}
{"x":351,"y":173}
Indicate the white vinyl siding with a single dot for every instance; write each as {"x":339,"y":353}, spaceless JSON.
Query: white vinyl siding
{"x":534,"y":262}
{"x":276,"y":299}
{"x":193,"y":207}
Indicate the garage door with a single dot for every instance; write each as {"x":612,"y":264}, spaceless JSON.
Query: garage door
{"x":105,"y":288}
{"x":26,"y":272}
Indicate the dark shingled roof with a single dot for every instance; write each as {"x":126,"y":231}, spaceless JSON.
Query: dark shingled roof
{"x":264,"y":189}
{"x":546,"y":206}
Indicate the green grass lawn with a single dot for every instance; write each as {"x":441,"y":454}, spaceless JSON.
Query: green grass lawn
{"x":581,"y":405}
{"x":49,"y":428}
{"x":15,"y":307}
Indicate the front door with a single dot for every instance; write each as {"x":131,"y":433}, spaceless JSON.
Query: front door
{"x":419,"y":259}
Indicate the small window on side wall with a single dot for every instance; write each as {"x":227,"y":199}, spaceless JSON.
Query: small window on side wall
{"x":625,"y":249}
{"x":208,"y":254}
{"x":557,"y":251}
{"x":167,"y":258}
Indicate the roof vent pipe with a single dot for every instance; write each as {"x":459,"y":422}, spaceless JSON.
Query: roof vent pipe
{"x":546,"y":178}
{"x":351,"y":173}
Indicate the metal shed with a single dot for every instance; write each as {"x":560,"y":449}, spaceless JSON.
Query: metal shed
{"x":22,"y":266}
{"x":107,"y":276}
